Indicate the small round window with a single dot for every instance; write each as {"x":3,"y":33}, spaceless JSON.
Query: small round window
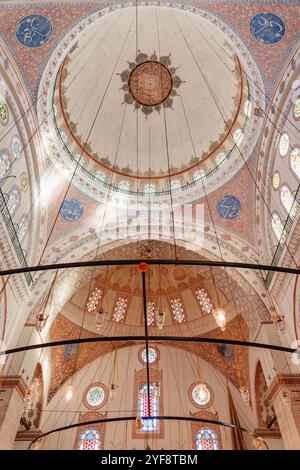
{"x":284,"y":143}
{"x":95,"y":396}
{"x":152,"y":355}
{"x":201,"y":394}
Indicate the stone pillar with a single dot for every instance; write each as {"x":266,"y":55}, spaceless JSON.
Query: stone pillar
{"x":284,"y":393}
{"x":12,"y":393}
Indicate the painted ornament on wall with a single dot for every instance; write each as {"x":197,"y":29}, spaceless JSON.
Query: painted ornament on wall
{"x":267,"y":28}
{"x":71,"y":210}
{"x":34,"y":31}
{"x":229,"y":207}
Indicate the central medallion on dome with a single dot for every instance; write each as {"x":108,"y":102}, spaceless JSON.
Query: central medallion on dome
{"x":150,"y":83}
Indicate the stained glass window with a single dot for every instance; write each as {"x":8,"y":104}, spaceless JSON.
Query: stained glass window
{"x":125,"y":185}
{"x":13,"y":201}
{"x":89,"y":439}
{"x":94,"y":299}
{"x":284,"y":144}
{"x":276,"y":180}
{"x":99,"y":174}
{"x":238,"y":136}
{"x":175,"y":184}
{"x":152,"y":355}
{"x":204,"y":301}
{"x":198,"y":174}
{"x":277,"y":226}
{"x":247,"y":108}
{"x":201,"y":394}
{"x":4,"y":163}
{"x":149,"y":425}
{"x":149,"y":188}
{"x":295,"y":161}
{"x":23,"y":227}
{"x":95,"y":396}
{"x":296,"y":109}
{"x":287,"y":200}
{"x":120,"y":309}
{"x":221,"y":158}
{"x":150,"y":313}
{"x":178,"y":310}
{"x":207,"y":439}
{"x":16,"y":147}
{"x":3,"y":113}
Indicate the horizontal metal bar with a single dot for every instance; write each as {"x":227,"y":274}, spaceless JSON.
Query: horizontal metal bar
{"x":132,"y":418}
{"x":179,"y":339}
{"x":81,"y":264}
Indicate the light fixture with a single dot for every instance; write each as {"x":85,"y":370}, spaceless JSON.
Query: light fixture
{"x":69,"y":393}
{"x":278,"y":321}
{"x":113,"y":391}
{"x":160,"y":317}
{"x":286,"y":398}
{"x":138,"y":423}
{"x":203,"y":392}
{"x":41,"y":321}
{"x":245,"y":395}
{"x":99,"y":319}
{"x":157,"y":388}
{"x":260,"y":444}
{"x":220,"y":317}
{"x":28,"y":400}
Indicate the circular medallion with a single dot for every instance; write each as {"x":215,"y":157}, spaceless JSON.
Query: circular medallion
{"x":34,"y":31}
{"x":150,"y":83}
{"x":229,"y":207}
{"x":296,"y":109}
{"x":71,"y":210}
{"x":70,"y":350}
{"x":284,"y":143}
{"x":226,"y":351}
{"x":95,"y":396}
{"x":16,"y":147}
{"x":3,"y":114}
{"x":153,"y":355}
{"x":276,"y":180}
{"x":267,"y":28}
{"x":201,"y":394}
{"x":24,"y":182}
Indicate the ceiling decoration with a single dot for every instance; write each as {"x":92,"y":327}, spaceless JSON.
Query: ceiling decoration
{"x":267,"y":28}
{"x":34,"y":30}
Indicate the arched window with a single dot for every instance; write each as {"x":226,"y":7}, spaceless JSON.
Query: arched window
{"x":4,"y":163}
{"x":120,"y":309}
{"x":221,"y":158}
{"x":149,"y":425}
{"x":89,"y":439}
{"x":204,"y":301}
{"x":23,"y":227}
{"x":238,"y":136}
{"x":175,"y":184}
{"x":94,"y":299}
{"x":150,"y":313}
{"x":207,"y":439}
{"x":149,"y":188}
{"x":198,"y":174}
{"x":13,"y":200}
{"x":295,"y":161}
{"x":278,"y":228}
{"x":178,"y":310}
{"x":287,"y":200}
{"x":99,"y":174}
{"x":125,"y":185}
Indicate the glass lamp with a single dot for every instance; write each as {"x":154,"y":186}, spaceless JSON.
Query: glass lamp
{"x":69,"y":393}
{"x":160,"y":319}
{"x":113,"y":391}
{"x":99,"y":319}
{"x":245,"y":395}
{"x":41,"y":321}
{"x":220,"y":317}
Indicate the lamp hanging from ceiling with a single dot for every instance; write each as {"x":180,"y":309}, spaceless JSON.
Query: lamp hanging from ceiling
{"x":100,"y":318}
{"x":69,"y":392}
{"x":160,"y":317}
{"x":245,"y":392}
{"x":220,"y":317}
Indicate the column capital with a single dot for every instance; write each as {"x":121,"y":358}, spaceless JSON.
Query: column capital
{"x":290,"y":381}
{"x":13,"y":381}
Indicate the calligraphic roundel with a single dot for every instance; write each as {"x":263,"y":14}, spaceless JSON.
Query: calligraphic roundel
{"x":34,"y":31}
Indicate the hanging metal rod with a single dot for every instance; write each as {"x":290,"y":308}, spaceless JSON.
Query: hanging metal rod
{"x":132,"y":418}
{"x":187,"y":262}
{"x":178,"y":339}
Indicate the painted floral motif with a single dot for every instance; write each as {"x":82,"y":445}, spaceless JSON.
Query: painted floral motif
{"x":178,"y":311}
{"x":3,"y":114}
{"x":94,"y":299}
{"x":95,"y":396}
{"x":204,"y":301}
{"x":152,"y":355}
{"x":120,"y":309}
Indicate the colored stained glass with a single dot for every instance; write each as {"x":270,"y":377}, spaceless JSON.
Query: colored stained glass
{"x":201,"y":394}
{"x":3,"y":113}
{"x":150,"y":313}
{"x":296,"y":109}
{"x":295,"y":161}
{"x":95,"y":396}
{"x":178,"y":310}
{"x":276,"y":180}
{"x":152,"y":355}
{"x":120,"y":309}
{"x":149,"y":425}
{"x":204,"y":301}
{"x":94,"y":299}
{"x":4,"y":164}
{"x":284,"y":143}
{"x":207,"y":439}
{"x":89,"y":439}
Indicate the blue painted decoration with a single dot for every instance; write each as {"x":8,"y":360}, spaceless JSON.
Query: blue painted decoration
{"x":267,"y":28}
{"x":229,"y":207}
{"x":70,"y":350}
{"x":71,"y":210}
{"x":34,"y":31}
{"x":226,"y":350}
